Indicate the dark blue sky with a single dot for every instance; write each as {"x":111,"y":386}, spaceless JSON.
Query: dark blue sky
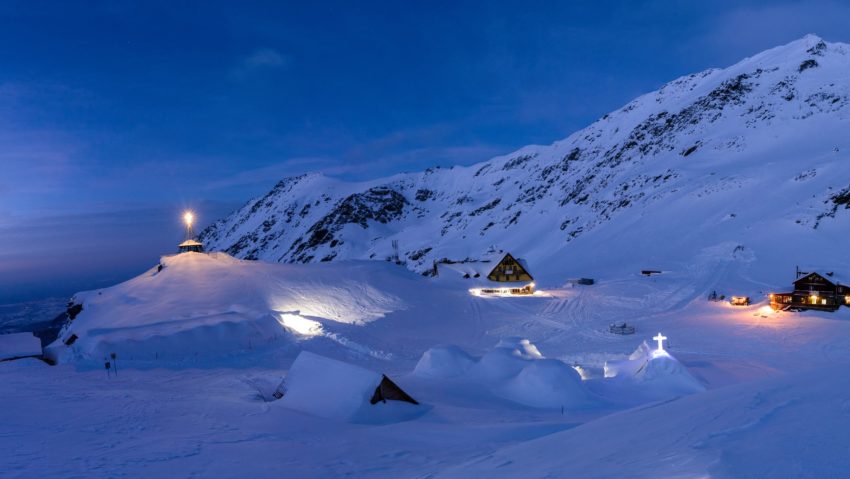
{"x":114,"y":116}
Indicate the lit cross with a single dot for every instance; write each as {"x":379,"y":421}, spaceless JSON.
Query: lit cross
{"x":660,"y":340}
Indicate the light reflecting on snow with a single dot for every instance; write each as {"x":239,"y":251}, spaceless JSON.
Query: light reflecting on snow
{"x":300,"y":325}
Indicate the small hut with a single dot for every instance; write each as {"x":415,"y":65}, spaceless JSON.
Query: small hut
{"x":191,"y":245}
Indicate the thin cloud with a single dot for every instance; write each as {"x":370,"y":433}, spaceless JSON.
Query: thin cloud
{"x":271,"y":173}
{"x":262,"y":59}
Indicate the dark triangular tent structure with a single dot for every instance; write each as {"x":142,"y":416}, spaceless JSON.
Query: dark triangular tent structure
{"x":509,"y":269}
{"x":389,"y":391}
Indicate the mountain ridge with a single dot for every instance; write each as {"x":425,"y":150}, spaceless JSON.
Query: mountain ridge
{"x":697,"y":139}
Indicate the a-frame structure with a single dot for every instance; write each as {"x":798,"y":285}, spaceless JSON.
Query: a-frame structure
{"x":509,"y":270}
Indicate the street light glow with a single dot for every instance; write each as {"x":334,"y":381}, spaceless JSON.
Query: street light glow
{"x":188,"y":217}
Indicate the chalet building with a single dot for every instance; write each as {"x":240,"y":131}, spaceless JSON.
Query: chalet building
{"x":813,"y":291}
{"x":509,"y":270}
{"x":494,"y":275}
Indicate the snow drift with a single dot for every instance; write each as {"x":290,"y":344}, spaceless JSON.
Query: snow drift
{"x":196,"y":304}
{"x":514,"y":370}
{"x":333,"y":389}
{"x":443,"y":362}
{"x":653,"y":373}
{"x":19,"y":345}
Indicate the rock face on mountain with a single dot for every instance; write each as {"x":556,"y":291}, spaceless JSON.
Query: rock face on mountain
{"x":706,"y":160}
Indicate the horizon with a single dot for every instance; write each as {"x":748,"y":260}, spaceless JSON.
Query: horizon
{"x":119,"y":118}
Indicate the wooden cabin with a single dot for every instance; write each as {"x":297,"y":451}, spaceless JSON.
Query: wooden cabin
{"x":509,"y":270}
{"x":498,"y":275}
{"x":813,"y":291}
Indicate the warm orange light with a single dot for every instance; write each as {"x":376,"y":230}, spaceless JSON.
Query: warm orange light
{"x":188,"y":218}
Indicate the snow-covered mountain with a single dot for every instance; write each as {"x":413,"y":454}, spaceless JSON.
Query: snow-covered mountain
{"x":721,"y":162}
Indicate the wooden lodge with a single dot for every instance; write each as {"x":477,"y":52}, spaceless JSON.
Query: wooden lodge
{"x":505,"y":276}
{"x":812,"y":291}
{"x":509,"y":270}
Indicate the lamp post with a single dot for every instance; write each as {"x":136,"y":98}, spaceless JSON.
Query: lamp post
{"x":189,"y":218}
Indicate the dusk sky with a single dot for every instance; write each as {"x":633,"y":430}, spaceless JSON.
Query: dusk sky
{"x":114,"y":117}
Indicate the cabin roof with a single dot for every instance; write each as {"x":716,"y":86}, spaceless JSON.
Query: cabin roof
{"x":190,"y":242}
{"x":832,"y":280}
{"x":482,"y":268}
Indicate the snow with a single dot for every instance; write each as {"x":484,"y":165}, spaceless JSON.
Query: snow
{"x":790,"y":426}
{"x":212,"y":304}
{"x":547,"y":383}
{"x":444,"y":362}
{"x":333,"y":389}
{"x":19,"y":345}
{"x":771,"y":153}
{"x":530,"y":386}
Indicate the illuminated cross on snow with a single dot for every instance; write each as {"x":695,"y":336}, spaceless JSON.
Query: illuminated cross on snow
{"x":660,"y":340}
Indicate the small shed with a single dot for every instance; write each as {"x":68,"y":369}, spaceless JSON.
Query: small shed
{"x":191,"y":245}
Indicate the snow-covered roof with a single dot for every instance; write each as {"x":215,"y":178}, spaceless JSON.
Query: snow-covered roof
{"x":190,"y":242}
{"x":478,"y":270}
{"x":328,"y":388}
{"x":19,"y":345}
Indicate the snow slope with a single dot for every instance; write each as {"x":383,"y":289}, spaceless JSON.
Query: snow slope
{"x":719,"y":163}
{"x":212,"y":304}
{"x":789,"y":426}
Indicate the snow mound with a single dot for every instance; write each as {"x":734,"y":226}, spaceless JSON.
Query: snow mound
{"x":197,"y":304}
{"x":19,"y":345}
{"x":546,"y":383}
{"x":521,"y":347}
{"x":654,"y":370}
{"x":444,"y":362}
{"x":333,"y":389}
{"x":663,"y":372}
{"x":498,"y":365}
{"x":514,"y":370}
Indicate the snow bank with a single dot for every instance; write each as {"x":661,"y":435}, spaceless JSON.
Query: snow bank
{"x":197,"y":304}
{"x":791,"y":425}
{"x":546,"y":383}
{"x":510,"y":356}
{"x":498,"y":365}
{"x":333,"y":389}
{"x":19,"y":345}
{"x":654,"y":371}
{"x":444,"y":362}
{"x":514,"y":370}
{"x":521,"y":347}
